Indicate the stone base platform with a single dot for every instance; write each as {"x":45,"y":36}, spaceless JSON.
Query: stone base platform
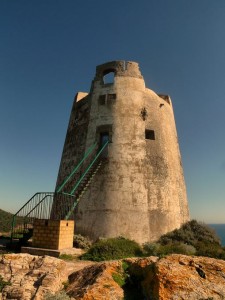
{"x":51,"y":252}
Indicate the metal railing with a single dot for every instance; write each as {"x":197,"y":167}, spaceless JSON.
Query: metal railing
{"x":59,"y":205}
{"x":90,"y":150}
{"x":88,"y":168}
{"x":94,"y":163}
{"x":40,"y":206}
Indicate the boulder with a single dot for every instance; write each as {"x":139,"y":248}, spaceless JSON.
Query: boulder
{"x":30,"y":277}
{"x":96,"y":282}
{"x":185,"y":278}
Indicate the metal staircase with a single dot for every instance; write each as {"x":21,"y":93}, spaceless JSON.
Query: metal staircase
{"x":61,"y":204}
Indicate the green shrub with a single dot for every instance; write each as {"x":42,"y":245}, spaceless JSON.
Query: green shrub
{"x":199,"y":236}
{"x":3,"y":283}
{"x":82,"y":242}
{"x":210,"y":250}
{"x":179,"y":248}
{"x":151,"y":249}
{"x":114,"y":248}
{"x":157,"y":249}
{"x":191,"y":233}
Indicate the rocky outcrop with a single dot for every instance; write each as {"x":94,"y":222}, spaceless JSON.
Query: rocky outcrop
{"x":185,"y":277}
{"x":96,"y":282}
{"x":30,"y":277}
{"x":171,"y":278}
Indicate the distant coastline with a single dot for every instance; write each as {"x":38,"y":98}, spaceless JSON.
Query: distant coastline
{"x":220,"y":230}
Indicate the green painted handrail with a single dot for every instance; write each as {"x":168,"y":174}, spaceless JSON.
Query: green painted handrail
{"x":88,"y":168}
{"x":76,"y":168}
{"x":38,"y":204}
{"x":14,"y":216}
{"x":79,"y":181}
{"x":72,"y":209}
{"x":13,"y":224}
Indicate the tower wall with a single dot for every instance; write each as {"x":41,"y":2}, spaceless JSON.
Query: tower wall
{"x":140,"y":192}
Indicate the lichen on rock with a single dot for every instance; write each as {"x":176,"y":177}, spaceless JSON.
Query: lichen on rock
{"x":170,"y":278}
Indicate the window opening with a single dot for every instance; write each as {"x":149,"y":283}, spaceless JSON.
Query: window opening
{"x":149,"y":134}
{"x":102,"y":99}
{"x":108,"y":98}
{"x":109,"y":78}
{"x":111,"y":99}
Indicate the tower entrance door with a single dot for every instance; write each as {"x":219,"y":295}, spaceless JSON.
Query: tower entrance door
{"x":104,"y":137}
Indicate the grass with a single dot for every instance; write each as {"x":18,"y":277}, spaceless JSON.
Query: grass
{"x":3,"y":283}
{"x":67,"y":257}
{"x":119,"y":279}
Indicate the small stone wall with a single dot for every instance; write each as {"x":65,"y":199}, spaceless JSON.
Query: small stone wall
{"x":53,"y":234}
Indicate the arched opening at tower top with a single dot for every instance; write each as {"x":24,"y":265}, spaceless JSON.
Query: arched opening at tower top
{"x":108,"y":76}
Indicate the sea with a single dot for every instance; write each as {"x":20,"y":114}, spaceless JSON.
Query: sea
{"x":220,"y":231}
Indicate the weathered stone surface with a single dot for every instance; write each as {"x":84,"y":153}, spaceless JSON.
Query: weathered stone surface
{"x":185,"y":277}
{"x":96,"y":282}
{"x":139,"y":192}
{"x":31,"y":276}
{"x":175,"y":277}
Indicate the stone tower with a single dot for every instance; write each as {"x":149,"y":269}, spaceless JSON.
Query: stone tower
{"x":139,"y":191}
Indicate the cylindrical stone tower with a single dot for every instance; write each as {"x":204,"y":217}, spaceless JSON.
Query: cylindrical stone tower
{"x":139,"y":192}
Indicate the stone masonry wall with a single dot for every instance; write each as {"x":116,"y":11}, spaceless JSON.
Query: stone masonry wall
{"x":53,"y":234}
{"x":76,"y":135}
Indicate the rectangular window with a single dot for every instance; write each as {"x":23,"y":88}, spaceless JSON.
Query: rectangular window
{"x":102,"y":99}
{"x":149,"y":134}
{"x":108,"y":99}
{"x":111,"y":99}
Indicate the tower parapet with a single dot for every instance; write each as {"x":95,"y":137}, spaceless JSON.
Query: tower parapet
{"x":119,"y":68}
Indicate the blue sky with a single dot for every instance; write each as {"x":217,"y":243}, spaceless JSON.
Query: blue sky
{"x":49,"y":51}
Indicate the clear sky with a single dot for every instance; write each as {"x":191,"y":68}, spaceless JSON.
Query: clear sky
{"x":49,"y":50}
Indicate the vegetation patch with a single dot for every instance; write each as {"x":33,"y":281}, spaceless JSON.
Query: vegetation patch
{"x":114,"y":248}
{"x":192,"y":238}
{"x":66,"y":256}
{"x":6,"y":222}
{"x":119,"y":279}
{"x":157,"y":249}
{"x":191,"y":233}
{"x":81,"y":242}
{"x":3,"y":283}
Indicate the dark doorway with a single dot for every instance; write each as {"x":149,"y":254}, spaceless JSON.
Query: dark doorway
{"x":104,"y":137}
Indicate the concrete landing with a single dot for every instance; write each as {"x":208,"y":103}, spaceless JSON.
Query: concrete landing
{"x":51,"y":252}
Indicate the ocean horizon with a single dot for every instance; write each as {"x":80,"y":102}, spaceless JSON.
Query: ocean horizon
{"x":220,"y":231}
